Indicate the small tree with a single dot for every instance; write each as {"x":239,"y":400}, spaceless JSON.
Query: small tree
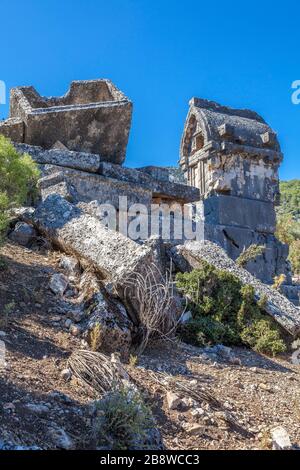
{"x":288,"y":231}
{"x":18,"y":177}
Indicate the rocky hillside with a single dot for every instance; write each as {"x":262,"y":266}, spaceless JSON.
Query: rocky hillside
{"x":209,"y":398}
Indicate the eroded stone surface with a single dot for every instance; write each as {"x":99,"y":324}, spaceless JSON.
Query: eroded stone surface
{"x":112,"y":254}
{"x":233,"y":156}
{"x":62,"y":157}
{"x":93,"y":116}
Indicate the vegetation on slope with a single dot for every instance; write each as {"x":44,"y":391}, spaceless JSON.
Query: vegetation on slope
{"x":290,"y":199}
{"x":225,"y":311}
{"x":288,"y":220}
{"x":18,"y":176}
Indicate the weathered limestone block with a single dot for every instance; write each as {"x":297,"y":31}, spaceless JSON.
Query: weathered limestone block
{"x":89,"y":187}
{"x":103,"y":181}
{"x":77,"y":160}
{"x":240,"y":212}
{"x":157,"y":172}
{"x":13,"y":129}
{"x":235,"y":239}
{"x":160,"y":188}
{"x":23,"y":233}
{"x":188,"y":256}
{"x":239,"y":175}
{"x":115,"y":327}
{"x":63,"y":189}
{"x":94,"y":117}
{"x":292,"y":292}
{"x":82,"y":187}
{"x":112,"y":254}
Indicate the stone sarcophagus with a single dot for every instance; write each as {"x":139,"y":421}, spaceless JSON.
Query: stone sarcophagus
{"x":233,"y":156}
{"x":94,"y":117}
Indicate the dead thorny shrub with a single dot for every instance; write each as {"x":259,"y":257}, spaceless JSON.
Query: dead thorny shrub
{"x":97,"y":370}
{"x":154,"y":294}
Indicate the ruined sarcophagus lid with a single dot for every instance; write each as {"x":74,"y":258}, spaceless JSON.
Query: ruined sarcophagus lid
{"x":94,"y":116}
{"x":230,"y":151}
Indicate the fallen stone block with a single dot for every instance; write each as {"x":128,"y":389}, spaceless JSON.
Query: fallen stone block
{"x":111,"y":253}
{"x":114,"y":329}
{"x":189,"y":256}
{"x":160,"y":189}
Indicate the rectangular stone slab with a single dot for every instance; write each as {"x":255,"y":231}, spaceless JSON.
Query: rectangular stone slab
{"x":93,"y":187}
{"x":112,"y":254}
{"x":164,"y":189}
{"x":240,"y":212}
{"x":89,"y":162}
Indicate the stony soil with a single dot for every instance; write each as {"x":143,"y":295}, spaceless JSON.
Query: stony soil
{"x":257,"y":392}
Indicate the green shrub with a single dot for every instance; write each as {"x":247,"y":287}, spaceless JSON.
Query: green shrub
{"x":225,"y":311}
{"x":18,"y":176}
{"x":263,"y":337}
{"x":123,"y":421}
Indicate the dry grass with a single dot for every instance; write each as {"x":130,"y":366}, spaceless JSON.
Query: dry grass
{"x":96,"y":337}
{"x":249,"y":254}
{"x":278,"y":281}
{"x":133,"y":360}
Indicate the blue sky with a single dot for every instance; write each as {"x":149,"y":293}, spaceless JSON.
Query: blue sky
{"x":161,"y":53}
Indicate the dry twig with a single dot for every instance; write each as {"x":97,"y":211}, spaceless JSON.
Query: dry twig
{"x":154,"y":294}
{"x":96,"y":370}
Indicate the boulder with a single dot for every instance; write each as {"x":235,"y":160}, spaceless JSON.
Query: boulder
{"x":195,"y":429}
{"x":69,"y":264}
{"x":23,"y":234}
{"x":66,"y":374}
{"x":38,"y":408}
{"x":60,"y":438}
